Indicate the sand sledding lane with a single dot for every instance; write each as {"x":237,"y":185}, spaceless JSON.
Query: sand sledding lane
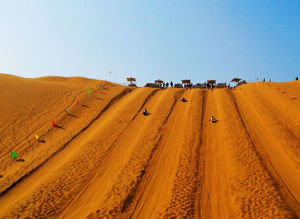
{"x":171,"y":179}
{"x":49,"y":189}
{"x":236,"y":182}
{"x":276,"y":137}
{"x":117,"y":177}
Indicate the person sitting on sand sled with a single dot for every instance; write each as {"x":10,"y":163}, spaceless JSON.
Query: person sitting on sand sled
{"x":183,"y":99}
{"x":145,"y":112}
{"x":213,"y":119}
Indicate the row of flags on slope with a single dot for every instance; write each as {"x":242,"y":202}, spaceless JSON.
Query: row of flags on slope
{"x":15,"y":155}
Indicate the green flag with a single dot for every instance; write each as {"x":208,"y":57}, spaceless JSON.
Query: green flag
{"x":14,"y":155}
{"x":89,"y":91}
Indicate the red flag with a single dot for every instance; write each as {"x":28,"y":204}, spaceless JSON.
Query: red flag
{"x":257,"y":78}
{"x":53,"y":123}
{"x":77,"y":100}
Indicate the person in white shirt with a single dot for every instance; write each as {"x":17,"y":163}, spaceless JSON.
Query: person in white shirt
{"x":212,"y":119}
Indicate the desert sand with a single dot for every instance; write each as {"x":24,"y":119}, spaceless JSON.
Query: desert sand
{"x":105,"y":159}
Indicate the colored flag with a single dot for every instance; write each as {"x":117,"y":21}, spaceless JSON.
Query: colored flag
{"x":257,"y":79}
{"x":77,"y":100}
{"x":66,"y":110}
{"x":94,"y":87}
{"x":36,"y":136}
{"x":89,"y":91}
{"x":14,"y":155}
{"x":53,"y":123}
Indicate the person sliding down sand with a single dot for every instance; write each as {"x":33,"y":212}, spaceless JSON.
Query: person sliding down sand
{"x":213,"y":119}
{"x":183,"y":99}
{"x":145,"y":112}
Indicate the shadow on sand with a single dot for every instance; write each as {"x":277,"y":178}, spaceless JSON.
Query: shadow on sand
{"x":1,"y":176}
{"x":85,"y":106}
{"x":57,"y":126}
{"x":42,"y":141}
{"x":70,"y":114}
{"x":98,"y":98}
{"x":20,"y":160}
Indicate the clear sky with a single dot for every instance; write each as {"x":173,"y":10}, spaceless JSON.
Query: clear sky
{"x":166,"y":39}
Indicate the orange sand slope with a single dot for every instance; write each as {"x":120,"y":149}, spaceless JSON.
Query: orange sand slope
{"x":105,"y":159}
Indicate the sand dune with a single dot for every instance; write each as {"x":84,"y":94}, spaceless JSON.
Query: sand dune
{"x":106,"y":159}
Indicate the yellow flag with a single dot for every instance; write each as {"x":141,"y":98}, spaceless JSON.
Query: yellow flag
{"x":36,"y":136}
{"x":94,"y":87}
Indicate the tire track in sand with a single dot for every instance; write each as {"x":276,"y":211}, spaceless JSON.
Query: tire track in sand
{"x":54,"y":184}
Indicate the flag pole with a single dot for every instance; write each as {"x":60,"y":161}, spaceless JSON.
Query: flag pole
{"x":109,"y":75}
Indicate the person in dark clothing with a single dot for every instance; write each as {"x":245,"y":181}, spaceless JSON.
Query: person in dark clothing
{"x":145,"y":112}
{"x":297,"y":78}
{"x":171,"y":83}
{"x":183,"y":99}
{"x":167,"y":84}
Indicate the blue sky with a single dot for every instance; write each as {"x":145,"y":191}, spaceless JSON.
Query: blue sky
{"x":170,"y":40}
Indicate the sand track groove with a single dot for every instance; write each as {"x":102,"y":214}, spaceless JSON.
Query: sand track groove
{"x":111,"y":161}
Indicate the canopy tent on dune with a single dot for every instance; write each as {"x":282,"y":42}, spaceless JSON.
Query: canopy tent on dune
{"x":131,"y":80}
{"x":158,"y":81}
{"x":186,"y":81}
{"x":236,"y":80}
{"x":211,"y":81}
